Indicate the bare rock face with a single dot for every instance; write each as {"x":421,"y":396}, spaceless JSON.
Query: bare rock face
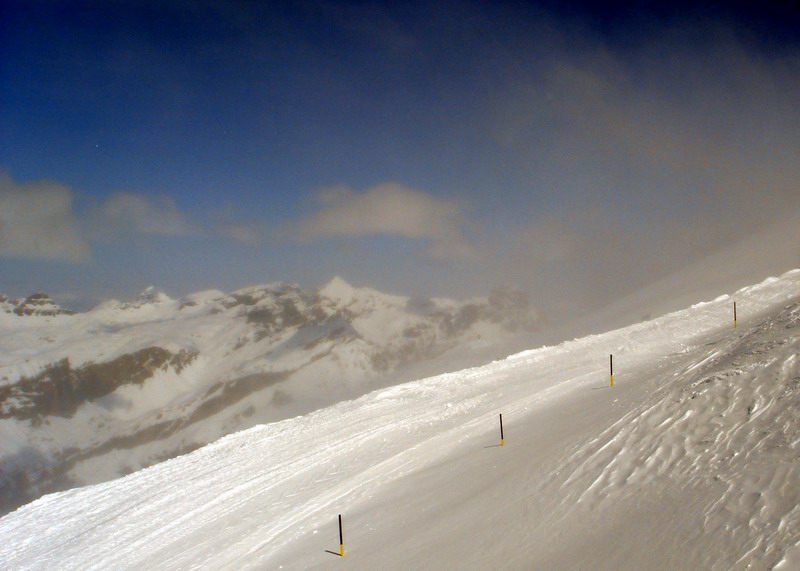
{"x":60,"y":389}
{"x":38,"y":304}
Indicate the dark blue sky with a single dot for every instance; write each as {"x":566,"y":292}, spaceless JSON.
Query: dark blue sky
{"x":423,"y":148}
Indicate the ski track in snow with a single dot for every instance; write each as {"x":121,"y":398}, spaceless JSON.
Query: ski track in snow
{"x":697,"y":404}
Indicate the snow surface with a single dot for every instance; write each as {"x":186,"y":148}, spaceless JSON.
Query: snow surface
{"x":689,"y":462}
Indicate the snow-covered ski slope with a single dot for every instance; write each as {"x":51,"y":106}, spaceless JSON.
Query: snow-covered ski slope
{"x":692,"y":461}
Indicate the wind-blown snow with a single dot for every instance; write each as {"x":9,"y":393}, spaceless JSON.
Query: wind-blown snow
{"x":689,"y":462}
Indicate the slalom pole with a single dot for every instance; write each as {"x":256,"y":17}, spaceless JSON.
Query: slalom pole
{"x":611,"y":369}
{"x":341,"y":541}
{"x":502,"y":439}
{"x":734,"y":315}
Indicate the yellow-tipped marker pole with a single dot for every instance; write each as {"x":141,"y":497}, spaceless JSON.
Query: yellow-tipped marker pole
{"x":502,"y":438}
{"x":734,"y":315}
{"x":341,"y":541}
{"x":611,"y":369}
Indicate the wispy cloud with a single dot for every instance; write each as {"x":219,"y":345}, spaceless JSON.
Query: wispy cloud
{"x":393,"y":210}
{"x":244,"y":233}
{"x":129,"y":212}
{"x":37,"y":221}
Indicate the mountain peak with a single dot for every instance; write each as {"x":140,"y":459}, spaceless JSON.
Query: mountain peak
{"x":359,"y":298}
{"x":151,"y":294}
{"x":339,"y":289}
{"x":35,"y":304}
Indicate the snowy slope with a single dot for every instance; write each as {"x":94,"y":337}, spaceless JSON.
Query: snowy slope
{"x":689,"y":462}
{"x":89,"y":397}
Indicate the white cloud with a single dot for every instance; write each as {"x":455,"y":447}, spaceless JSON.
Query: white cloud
{"x":246,"y":234}
{"x":37,"y":221}
{"x":134,"y":212}
{"x":389,"y":209}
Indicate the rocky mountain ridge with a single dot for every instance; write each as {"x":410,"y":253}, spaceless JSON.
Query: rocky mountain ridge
{"x":36,"y":304}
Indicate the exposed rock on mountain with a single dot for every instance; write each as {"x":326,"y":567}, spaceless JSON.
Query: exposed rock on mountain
{"x":38,"y":304}
{"x":60,"y":389}
{"x":126,"y":385}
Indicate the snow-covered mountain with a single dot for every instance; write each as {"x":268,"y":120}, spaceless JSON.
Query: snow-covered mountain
{"x":689,"y":462}
{"x":89,"y":397}
{"x":38,"y":304}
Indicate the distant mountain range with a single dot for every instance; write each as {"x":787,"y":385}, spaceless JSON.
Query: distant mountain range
{"x":86,"y":397}
{"x":38,"y":304}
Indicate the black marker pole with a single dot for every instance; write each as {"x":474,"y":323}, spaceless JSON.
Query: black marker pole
{"x":611,"y":369}
{"x":734,"y":315}
{"x":341,"y":540}
{"x":502,"y":438}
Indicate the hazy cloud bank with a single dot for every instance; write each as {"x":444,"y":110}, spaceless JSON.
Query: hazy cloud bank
{"x":37,"y":221}
{"x":389,"y":209}
{"x":654,"y":156}
{"x":128,"y":212}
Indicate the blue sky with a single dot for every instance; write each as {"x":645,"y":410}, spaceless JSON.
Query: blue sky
{"x":420,"y":148}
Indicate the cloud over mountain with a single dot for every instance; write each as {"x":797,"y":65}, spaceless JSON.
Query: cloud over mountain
{"x":40,"y":219}
{"x":390,"y":209}
{"x":135,"y":212}
{"x":37,"y":221}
